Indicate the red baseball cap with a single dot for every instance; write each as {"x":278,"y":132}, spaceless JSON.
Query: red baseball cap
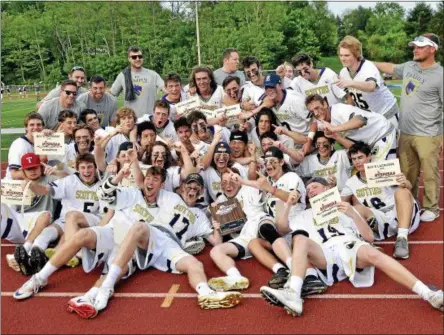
{"x":30,"y":160}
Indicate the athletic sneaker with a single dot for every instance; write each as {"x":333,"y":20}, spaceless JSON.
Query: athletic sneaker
{"x":437,"y":300}
{"x":83,"y":306}
{"x":312,"y":285}
{"x":428,"y":216}
{"x":38,"y":259}
{"x":194,"y":245}
{"x":72,"y":263}
{"x":219,"y":300}
{"x":23,"y":261}
{"x":229,"y":283}
{"x":31,"y":287}
{"x":12,"y":262}
{"x":102,"y":298}
{"x":279,"y":279}
{"x":285,"y":297}
{"x":401,"y":248}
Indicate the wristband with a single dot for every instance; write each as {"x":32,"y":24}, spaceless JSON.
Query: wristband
{"x":311,"y":134}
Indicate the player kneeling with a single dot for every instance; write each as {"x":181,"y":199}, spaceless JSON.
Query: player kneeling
{"x":336,"y":250}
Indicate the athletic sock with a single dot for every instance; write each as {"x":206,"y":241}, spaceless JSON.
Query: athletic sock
{"x":296,"y":284}
{"x":288,"y":263}
{"x":46,"y":271}
{"x":311,"y":272}
{"x":233,"y":272}
{"x":27,"y":246}
{"x":403,"y":232}
{"x":112,"y":276}
{"x":47,"y":235}
{"x":276,"y":267}
{"x":92,"y":293}
{"x":423,"y":291}
{"x":203,"y":289}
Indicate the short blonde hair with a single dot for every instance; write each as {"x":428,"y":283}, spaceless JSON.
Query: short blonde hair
{"x":351,"y":43}
{"x":125,"y":111}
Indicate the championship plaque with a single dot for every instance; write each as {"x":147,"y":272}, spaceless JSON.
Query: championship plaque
{"x":230,"y":216}
{"x":53,"y":144}
{"x":383,"y":173}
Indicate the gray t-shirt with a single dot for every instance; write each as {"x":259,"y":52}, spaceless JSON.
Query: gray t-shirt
{"x":40,"y":203}
{"x":146,"y":83}
{"x":421,"y":99}
{"x":50,"y":111}
{"x":106,"y":108}
{"x":55,"y":93}
{"x":220,"y":75}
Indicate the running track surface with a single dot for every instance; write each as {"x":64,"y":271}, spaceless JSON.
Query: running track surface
{"x":384,"y":308}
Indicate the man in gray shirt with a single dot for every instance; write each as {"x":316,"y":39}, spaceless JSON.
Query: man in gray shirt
{"x":420,"y":120}
{"x":104,"y":103}
{"x":229,"y":68}
{"x":139,"y":85}
{"x":67,"y":101}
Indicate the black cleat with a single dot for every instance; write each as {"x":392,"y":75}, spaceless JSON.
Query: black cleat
{"x":279,"y":279}
{"x":313,"y":285}
{"x":38,"y":259}
{"x":22,"y":259}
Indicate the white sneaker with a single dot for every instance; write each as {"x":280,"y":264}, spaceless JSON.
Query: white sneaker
{"x":285,"y":297}
{"x":83,"y":306}
{"x":12,"y":262}
{"x":228,"y":283}
{"x":219,"y":300}
{"x":428,"y":216}
{"x":437,"y":300}
{"x":102,"y":298}
{"x":31,"y":287}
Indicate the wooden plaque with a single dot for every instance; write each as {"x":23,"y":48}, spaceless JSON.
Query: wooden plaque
{"x":230,"y":216}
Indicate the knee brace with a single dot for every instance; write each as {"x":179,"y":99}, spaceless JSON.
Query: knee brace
{"x":268,"y":232}
{"x":300,"y":232}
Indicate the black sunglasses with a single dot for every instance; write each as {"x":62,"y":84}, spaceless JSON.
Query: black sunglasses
{"x":136,"y":57}
{"x":68,"y":92}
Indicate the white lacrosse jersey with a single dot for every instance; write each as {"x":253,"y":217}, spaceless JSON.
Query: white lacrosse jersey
{"x":380,"y":198}
{"x":173,"y":111}
{"x":288,"y":182}
{"x":202,"y":226}
{"x":21,"y":146}
{"x":71,"y":152}
{"x":253,"y":93}
{"x":324,"y":86}
{"x":112,"y":147}
{"x":338,"y":165}
{"x":215,"y":99}
{"x":167,"y":132}
{"x":76,"y":195}
{"x":255,"y":138}
{"x":375,"y":127}
{"x":381,"y":100}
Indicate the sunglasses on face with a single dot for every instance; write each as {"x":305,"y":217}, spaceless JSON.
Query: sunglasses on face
{"x":68,"y":92}
{"x":136,"y":57}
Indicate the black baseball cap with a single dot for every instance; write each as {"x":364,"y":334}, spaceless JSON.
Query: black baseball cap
{"x":274,"y":152}
{"x":222,"y":148}
{"x":238,"y":135}
{"x":125,"y":146}
{"x":194,"y":177}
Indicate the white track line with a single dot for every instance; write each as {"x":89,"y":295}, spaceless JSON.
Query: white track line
{"x":245,"y":295}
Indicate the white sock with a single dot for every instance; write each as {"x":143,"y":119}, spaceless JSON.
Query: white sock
{"x":112,"y":276}
{"x":233,"y":272}
{"x":277,"y":266}
{"x":423,"y":291}
{"x":27,"y":246}
{"x":47,"y":235}
{"x":311,"y":272}
{"x":92,"y":293}
{"x":203,"y":288}
{"x":47,"y":271}
{"x":296,"y":284}
{"x":288,"y":263}
{"x":403,"y":232}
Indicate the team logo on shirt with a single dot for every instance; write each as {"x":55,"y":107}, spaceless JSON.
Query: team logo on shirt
{"x":411,"y":86}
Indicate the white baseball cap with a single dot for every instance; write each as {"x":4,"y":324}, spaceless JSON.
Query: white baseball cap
{"x":422,"y":41}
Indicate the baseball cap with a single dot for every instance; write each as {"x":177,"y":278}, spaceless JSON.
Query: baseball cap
{"x":238,"y":135}
{"x":319,"y":180}
{"x":30,"y":160}
{"x":274,"y":152}
{"x":272,"y":80}
{"x":194,"y":177}
{"x":222,"y":148}
{"x":125,"y":146}
{"x":422,"y":41}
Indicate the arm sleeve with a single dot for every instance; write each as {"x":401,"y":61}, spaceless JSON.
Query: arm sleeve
{"x":398,"y":70}
{"x":59,"y":187}
{"x":16,"y":151}
{"x":54,"y":93}
{"x":159,"y":82}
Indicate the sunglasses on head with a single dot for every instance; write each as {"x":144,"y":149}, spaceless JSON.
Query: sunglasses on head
{"x":68,"y":92}
{"x":77,"y":68}
{"x":136,"y":57}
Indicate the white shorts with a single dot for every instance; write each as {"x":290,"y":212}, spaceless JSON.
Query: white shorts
{"x":104,"y":247}
{"x":92,"y":219}
{"x":13,"y":227}
{"x":340,"y":253}
{"x":163,"y":252}
{"x":385,"y":148}
{"x":387,"y":223}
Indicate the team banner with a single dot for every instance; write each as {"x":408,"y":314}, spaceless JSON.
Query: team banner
{"x":232,"y":114}
{"x":53,"y":144}
{"x":12,"y":193}
{"x":130,"y":181}
{"x":324,"y":205}
{"x":230,"y":216}
{"x":381,"y":174}
{"x":186,"y":107}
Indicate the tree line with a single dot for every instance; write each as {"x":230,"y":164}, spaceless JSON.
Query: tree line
{"x":41,"y":41}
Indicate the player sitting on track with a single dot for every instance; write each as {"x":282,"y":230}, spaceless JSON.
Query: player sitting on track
{"x":357,"y":124}
{"x":335,"y":248}
{"x":390,"y":210}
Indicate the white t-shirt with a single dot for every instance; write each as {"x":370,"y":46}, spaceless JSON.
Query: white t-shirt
{"x":21,"y":146}
{"x":251,"y":92}
{"x":215,"y":99}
